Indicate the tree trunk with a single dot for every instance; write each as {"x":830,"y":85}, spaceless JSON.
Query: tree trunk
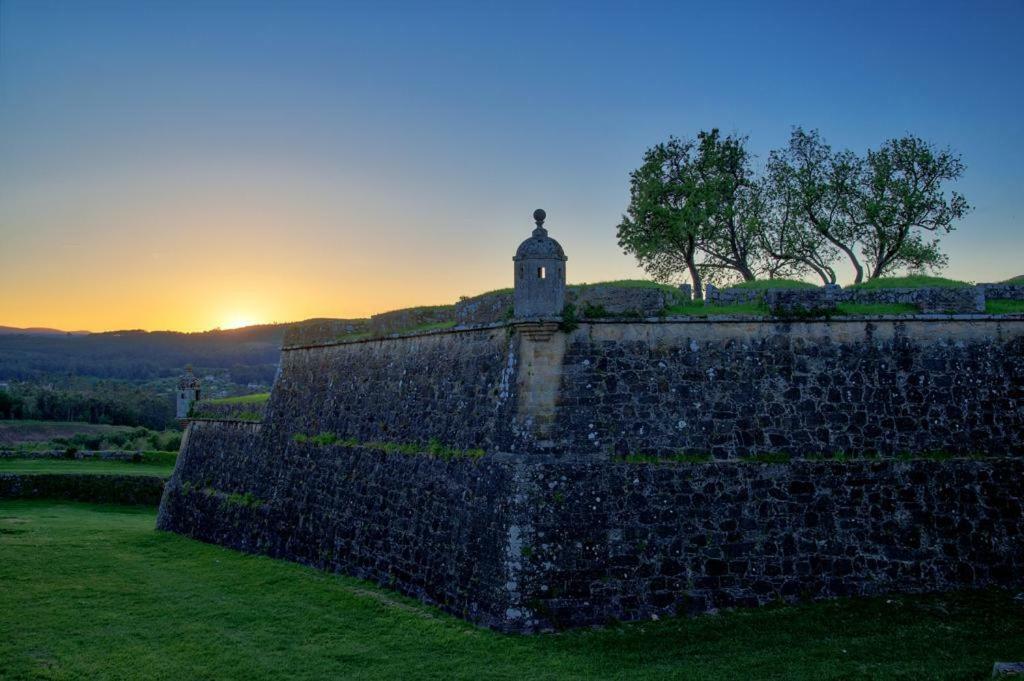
{"x":698,"y":285}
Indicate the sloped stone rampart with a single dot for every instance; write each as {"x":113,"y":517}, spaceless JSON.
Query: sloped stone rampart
{"x":436,"y":530}
{"x":452,"y":387}
{"x":548,"y":543}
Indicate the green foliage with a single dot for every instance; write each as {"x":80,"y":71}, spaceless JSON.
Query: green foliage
{"x":324,"y":439}
{"x":770,"y":457}
{"x":883,"y":211}
{"x":670,"y":458}
{"x":1004,"y":306}
{"x":900,"y":199}
{"x":693,"y":209}
{"x":251,"y":617}
{"x":911,"y":281}
{"x":432,"y":448}
{"x":247,"y":500}
{"x":1018,"y":280}
{"x":569,"y":320}
{"x":33,"y":435}
{"x":697,"y":308}
{"x":591,"y":311}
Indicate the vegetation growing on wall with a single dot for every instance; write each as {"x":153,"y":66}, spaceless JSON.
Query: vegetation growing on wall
{"x":432,"y":448}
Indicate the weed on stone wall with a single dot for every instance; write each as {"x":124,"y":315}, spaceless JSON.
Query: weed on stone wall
{"x":570,"y":322}
{"x":433,"y":448}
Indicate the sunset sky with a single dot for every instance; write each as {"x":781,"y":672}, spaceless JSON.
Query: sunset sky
{"x":176,"y":165}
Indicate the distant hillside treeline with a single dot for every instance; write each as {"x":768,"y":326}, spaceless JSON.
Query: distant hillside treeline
{"x":250,"y":354}
{"x":110,"y":402}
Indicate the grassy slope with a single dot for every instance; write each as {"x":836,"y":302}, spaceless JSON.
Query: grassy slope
{"x":911,"y":281}
{"x":79,"y":466}
{"x":95,"y":592}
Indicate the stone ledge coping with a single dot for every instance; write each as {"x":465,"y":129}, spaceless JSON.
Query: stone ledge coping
{"x":676,"y":319}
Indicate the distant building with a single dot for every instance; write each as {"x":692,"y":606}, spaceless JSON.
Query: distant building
{"x":188,"y":393}
{"x":539,"y":274}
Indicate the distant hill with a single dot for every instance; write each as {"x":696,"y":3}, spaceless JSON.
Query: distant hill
{"x":250,"y":353}
{"x":38,"y":331}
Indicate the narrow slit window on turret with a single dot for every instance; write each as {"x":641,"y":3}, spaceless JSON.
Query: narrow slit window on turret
{"x":541,"y":273}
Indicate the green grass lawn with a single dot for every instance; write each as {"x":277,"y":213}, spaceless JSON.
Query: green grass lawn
{"x":95,"y":592}
{"x":999,"y":306}
{"x":90,"y":466}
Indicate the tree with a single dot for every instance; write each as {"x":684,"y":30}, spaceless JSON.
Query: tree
{"x":695,"y":207}
{"x":730,"y":233}
{"x":787,"y":239}
{"x":663,"y":224}
{"x":815,"y":186}
{"x":899,"y":199}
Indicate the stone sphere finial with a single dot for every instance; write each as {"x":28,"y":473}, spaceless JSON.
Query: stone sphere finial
{"x":538,"y":216}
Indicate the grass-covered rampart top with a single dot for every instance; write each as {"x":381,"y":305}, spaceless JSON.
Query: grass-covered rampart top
{"x":911,"y":281}
{"x":698,"y":308}
{"x":241,"y":408}
{"x":765,"y":284}
{"x":255,"y":398}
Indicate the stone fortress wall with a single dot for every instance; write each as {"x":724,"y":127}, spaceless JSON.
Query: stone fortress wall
{"x":558,"y":524}
{"x":545,"y":468}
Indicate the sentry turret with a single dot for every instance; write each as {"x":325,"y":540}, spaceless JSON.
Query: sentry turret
{"x":539,"y":274}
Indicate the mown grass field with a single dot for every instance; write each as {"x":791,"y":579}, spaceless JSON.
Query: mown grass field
{"x":94,"y":592}
{"x":87,"y":466}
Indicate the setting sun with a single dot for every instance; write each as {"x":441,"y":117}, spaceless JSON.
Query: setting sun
{"x":238,"y":321}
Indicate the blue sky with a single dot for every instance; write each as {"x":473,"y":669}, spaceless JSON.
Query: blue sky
{"x":331,"y":159}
